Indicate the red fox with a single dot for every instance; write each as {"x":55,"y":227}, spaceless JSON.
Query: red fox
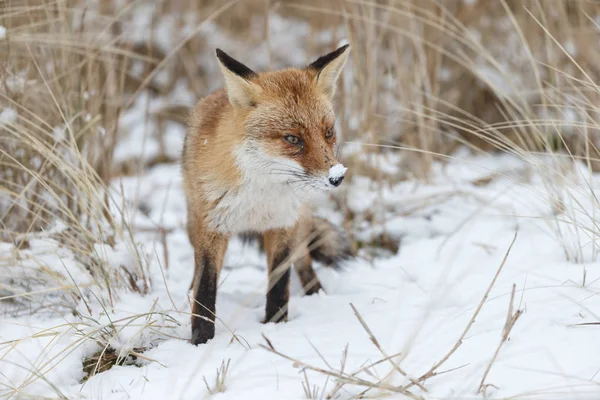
{"x":253,"y":153}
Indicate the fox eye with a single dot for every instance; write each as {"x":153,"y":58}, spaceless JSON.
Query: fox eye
{"x":330,"y":133}
{"x":293,"y":140}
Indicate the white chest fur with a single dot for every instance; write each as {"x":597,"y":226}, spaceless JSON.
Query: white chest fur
{"x":264,"y":200}
{"x":256,"y":207}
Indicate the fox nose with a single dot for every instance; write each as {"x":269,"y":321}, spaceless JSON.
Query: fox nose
{"x":336,"y":174}
{"x":336,"y":181}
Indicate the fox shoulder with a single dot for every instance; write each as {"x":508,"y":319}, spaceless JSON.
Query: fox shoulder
{"x":207,"y":113}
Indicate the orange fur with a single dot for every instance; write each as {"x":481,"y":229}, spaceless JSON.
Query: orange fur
{"x":242,"y":172}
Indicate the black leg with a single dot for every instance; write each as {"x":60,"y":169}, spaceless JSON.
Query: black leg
{"x":205,"y":296}
{"x":279,"y":282}
{"x":308,"y":277}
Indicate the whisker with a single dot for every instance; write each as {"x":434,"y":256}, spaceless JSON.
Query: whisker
{"x":287,"y":166}
{"x":297,"y":181}
{"x":337,"y":151}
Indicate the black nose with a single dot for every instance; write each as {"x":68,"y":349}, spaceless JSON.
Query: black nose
{"x":336,"y":181}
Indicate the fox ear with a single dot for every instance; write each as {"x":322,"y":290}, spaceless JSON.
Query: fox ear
{"x":328,"y":69}
{"x":242,"y":92}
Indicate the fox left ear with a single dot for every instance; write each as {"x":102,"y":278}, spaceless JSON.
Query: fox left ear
{"x":328,"y":69}
{"x":241,"y":91}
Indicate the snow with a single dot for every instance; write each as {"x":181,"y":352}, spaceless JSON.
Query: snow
{"x":445,"y":74}
{"x":139,"y":137}
{"x":337,"y":171}
{"x":7,"y":116}
{"x":417,"y":301}
{"x":571,"y":48}
{"x":453,"y":233}
{"x":2,"y":32}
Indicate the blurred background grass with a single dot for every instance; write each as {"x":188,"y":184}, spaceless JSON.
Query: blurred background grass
{"x":97,"y":89}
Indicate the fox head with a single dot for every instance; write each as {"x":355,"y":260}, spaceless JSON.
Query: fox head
{"x":286,"y":120}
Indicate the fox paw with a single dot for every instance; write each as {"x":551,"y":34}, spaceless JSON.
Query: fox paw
{"x":277,"y":317}
{"x":203,"y":334}
{"x":316,"y":288}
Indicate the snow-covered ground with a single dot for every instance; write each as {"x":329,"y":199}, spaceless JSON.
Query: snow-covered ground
{"x":454,"y":231}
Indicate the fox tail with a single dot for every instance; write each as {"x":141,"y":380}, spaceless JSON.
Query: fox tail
{"x":327,"y":243}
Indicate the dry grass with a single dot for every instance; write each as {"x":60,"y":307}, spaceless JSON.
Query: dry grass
{"x":368,"y":381}
{"x":511,"y":320}
{"x":81,"y":333}
{"x":63,"y":86}
{"x":104,"y":360}
{"x":426,"y":78}
{"x":220,"y":379}
{"x":518,"y":77}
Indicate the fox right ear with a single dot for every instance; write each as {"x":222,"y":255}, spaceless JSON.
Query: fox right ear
{"x":242,"y":92}
{"x":328,"y":68}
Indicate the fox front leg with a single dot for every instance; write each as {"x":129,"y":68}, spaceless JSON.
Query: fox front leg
{"x":278,"y":245}
{"x":208,"y":262}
